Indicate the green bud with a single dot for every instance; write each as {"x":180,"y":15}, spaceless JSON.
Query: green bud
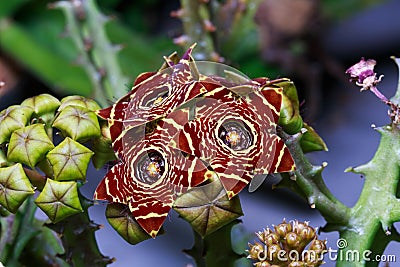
{"x":318,"y":246}
{"x":292,"y":241}
{"x":59,"y":200}
{"x":290,"y":118}
{"x":69,"y":160}
{"x":78,"y":123}
{"x":29,"y":145}
{"x":11,"y":119}
{"x":15,"y":187}
{"x":102,"y":147}
{"x":207,"y":208}
{"x":305,"y":232}
{"x":282,"y":229}
{"x":272,"y":238}
{"x":81,"y":101}
{"x":42,"y":104}
{"x":120,"y":218}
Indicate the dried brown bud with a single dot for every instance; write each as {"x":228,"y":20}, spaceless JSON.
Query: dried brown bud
{"x":287,"y":240}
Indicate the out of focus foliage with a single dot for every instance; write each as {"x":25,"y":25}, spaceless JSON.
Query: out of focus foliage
{"x":35,"y":36}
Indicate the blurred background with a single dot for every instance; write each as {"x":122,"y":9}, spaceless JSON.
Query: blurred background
{"x":311,"y":42}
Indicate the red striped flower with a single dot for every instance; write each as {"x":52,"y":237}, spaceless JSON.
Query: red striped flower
{"x":176,"y":121}
{"x":234,"y":132}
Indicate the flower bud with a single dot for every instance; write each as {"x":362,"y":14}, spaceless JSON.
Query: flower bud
{"x":286,"y":241}
{"x":282,"y":229}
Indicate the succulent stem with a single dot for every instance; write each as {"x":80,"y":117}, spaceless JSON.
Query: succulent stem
{"x":309,"y":179}
{"x":86,"y":26}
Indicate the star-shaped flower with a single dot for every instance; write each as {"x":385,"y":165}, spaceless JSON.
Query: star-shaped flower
{"x":235,"y":135}
{"x":153,"y":96}
{"x":152,"y":174}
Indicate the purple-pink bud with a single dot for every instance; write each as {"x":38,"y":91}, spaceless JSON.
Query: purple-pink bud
{"x":362,"y":70}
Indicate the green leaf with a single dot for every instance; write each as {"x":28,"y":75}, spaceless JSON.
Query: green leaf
{"x":120,"y":218}
{"x":54,"y":68}
{"x":13,"y":118}
{"x":69,"y":160}
{"x":81,"y":101}
{"x":7,"y":8}
{"x":47,"y":252}
{"x":290,"y":118}
{"x":78,"y":123}
{"x":14,"y":187}
{"x":29,"y":145}
{"x":207,"y":208}
{"x":310,"y":141}
{"x":59,"y":200}
{"x":42,"y":104}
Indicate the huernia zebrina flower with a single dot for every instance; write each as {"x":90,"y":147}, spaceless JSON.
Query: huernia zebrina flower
{"x":177,"y":126}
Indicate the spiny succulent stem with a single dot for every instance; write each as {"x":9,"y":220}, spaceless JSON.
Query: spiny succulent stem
{"x":97,"y":55}
{"x":377,"y":208}
{"x":192,"y":15}
{"x":309,"y":179}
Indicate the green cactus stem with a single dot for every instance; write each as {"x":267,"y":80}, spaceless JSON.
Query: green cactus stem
{"x":79,"y":242}
{"x":16,"y":232}
{"x":307,"y":181}
{"x":86,"y":26}
{"x":378,"y":207}
{"x":216,"y":249}
{"x":194,"y":14}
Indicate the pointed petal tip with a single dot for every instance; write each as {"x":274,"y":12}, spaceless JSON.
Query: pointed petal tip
{"x":188,"y":52}
{"x":231,"y":194}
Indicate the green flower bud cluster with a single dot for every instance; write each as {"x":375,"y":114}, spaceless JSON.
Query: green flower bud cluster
{"x":31,"y":160}
{"x":286,"y":245}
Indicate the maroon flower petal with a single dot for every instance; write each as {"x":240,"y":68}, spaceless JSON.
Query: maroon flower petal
{"x":151,"y":174}
{"x":236,"y":136}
